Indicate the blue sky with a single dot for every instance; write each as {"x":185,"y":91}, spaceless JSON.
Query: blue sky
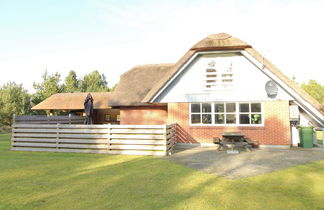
{"x":112,"y":36}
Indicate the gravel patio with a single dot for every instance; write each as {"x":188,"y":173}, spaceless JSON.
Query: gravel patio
{"x":244,"y":164}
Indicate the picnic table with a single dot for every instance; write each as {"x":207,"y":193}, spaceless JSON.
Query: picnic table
{"x":232,"y":140}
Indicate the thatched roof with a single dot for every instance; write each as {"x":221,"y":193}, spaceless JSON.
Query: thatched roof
{"x":136,"y":83}
{"x":220,"y":41}
{"x":142,"y":83}
{"x":73,"y":101}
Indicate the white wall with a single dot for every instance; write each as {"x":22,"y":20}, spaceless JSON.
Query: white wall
{"x":249,"y":82}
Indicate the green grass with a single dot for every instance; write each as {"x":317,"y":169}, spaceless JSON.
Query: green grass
{"x":41,"y":180}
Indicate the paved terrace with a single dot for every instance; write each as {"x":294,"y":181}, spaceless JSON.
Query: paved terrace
{"x":244,"y":164}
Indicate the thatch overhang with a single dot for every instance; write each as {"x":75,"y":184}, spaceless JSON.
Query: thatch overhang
{"x":74,"y":101}
{"x":136,"y":83}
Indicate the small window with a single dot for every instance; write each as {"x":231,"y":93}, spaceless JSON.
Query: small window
{"x":218,"y":76}
{"x":107,"y":117}
{"x":195,"y":108}
{"x":118,"y":118}
{"x":250,"y":113}
{"x":201,"y":113}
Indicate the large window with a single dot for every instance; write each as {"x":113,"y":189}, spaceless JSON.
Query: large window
{"x":226,"y":113}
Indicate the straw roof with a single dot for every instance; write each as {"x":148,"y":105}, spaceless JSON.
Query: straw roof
{"x":136,"y":83}
{"x":73,"y":101}
{"x":220,"y":41}
{"x":142,"y":83}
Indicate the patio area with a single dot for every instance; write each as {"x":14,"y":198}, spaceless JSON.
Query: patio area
{"x":245,"y":164}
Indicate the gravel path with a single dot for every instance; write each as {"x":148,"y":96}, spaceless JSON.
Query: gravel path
{"x":244,"y":164}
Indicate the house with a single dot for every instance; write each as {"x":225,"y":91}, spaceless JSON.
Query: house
{"x":73,"y":104}
{"x":220,"y":84}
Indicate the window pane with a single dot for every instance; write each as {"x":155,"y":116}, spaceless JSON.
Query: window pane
{"x":230,"y":119}
{"x":230,"y":107}
{"x":219,"y":108}
{"x":256,"y":119}
{"x":206,"y":119}
{"x":219,"y":119}
{"x":195,"y":119}
{"x":256,"y":107}
{"x":206,"y":108}
{"x":244,"y":119}
{"x":195,"y":108}
{"x":244,"y":108}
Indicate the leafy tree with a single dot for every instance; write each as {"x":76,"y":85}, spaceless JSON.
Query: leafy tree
{"x":14,"y":99}
{"x":315,"y":89}
{"x":49,"y":86}
{"x":71,"y":82}
{"x":94,"y":82}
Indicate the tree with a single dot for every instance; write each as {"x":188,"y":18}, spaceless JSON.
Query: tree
{"x":71,"y":82}
{"x":49,"y":86}
{"x":14,"y":99}
{"x":314,"y":89}
{"x":94,"y":82}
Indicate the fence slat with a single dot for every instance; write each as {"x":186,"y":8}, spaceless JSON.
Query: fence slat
{"x":137,"y":147}
{"x":43,"y":119}
{"x":137,"y":136}
{"x":150,"y":142}
{"x":137,"y":131}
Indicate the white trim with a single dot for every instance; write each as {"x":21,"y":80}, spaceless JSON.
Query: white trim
{"x":184,"y":66}
{"x":237,"y":114}
{"x":308,"y":108}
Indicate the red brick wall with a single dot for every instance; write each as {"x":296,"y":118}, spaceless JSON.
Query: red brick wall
{"x":143,"y":115}
{"x":276,"y":129}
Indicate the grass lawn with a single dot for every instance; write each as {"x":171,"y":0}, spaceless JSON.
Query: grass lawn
{"x":41,"y":180}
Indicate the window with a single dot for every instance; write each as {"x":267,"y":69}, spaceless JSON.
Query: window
{"x":226,"y":113}
{"x":216,"y":77}
{"x":201,"y":113}
{"x":250,"y":113}
{"x":107,"y":117}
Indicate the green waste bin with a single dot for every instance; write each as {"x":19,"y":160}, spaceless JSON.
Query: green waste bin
{"x":306,"y":136}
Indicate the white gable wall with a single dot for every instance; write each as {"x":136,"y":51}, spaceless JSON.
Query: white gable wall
{"x":248,"y":82}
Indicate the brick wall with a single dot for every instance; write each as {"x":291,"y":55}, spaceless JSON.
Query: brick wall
{"x":143,"y":115}
{"x":276,"y":129}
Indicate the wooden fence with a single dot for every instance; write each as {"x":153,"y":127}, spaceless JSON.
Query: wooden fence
{"x":109,"y":139}
{"x":43,"y":119}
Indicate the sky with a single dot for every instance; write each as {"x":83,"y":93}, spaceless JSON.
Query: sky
{"x":112,"y":36}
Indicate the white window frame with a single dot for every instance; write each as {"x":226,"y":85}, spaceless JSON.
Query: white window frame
{"x":237,"y":114}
